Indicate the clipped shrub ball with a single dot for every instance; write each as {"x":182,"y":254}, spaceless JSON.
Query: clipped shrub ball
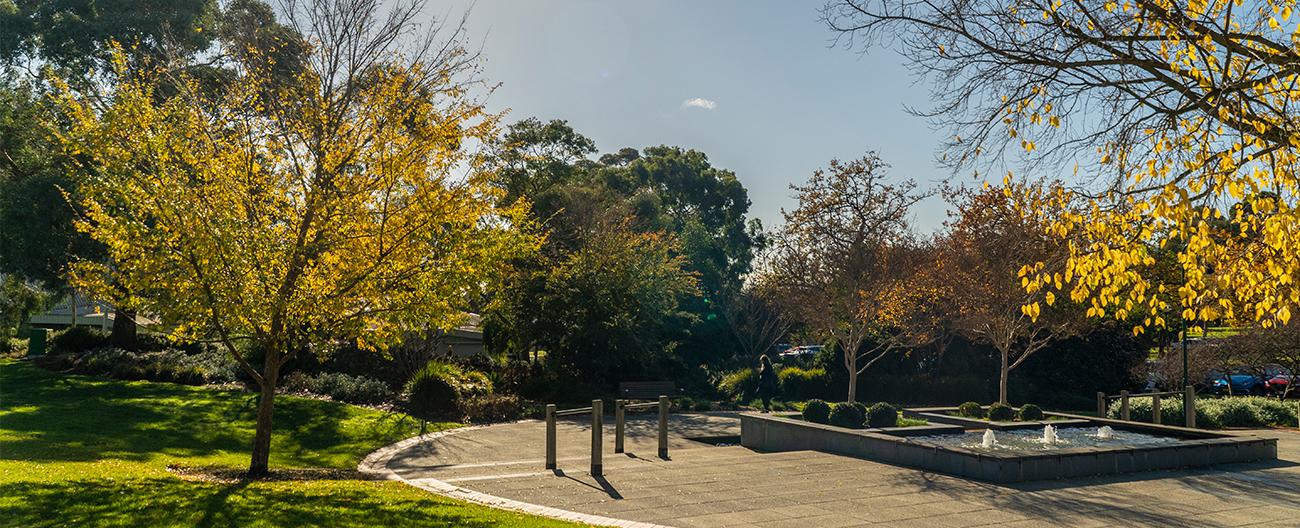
{"x":971,"y":409}
{"x":1030,"y":413}
{"x":817,"y":411}
{"x":1001,"y":412}
{"x":436,"y":390}
{"x":882,"y":415}
{"x":848,"y":415}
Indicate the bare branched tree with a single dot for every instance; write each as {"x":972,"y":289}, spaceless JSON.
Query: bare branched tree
{"x":842,"y":258}
{"x":755,"y":317}
{"x":984,"y":251}
{"x":1106,"y":77}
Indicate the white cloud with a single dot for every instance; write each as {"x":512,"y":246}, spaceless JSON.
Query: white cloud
{"x":700,"y":102}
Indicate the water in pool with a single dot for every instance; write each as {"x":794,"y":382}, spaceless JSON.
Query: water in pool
{"x":1037,"y":440}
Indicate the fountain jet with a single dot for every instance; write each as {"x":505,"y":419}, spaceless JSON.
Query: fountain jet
{"x":1105,"y":432}
{"x":1049,"y":434}
{"x":989,"y":439}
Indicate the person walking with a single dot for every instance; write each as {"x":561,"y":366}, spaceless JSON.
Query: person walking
{"x":767,"y":382}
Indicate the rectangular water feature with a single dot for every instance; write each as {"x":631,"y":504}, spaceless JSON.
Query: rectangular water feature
{"x":1016,"y":454}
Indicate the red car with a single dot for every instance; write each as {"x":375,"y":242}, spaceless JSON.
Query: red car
{"x":1277,"y":379}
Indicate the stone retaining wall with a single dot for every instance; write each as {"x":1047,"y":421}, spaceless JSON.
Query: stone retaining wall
{"x":765,"y":432}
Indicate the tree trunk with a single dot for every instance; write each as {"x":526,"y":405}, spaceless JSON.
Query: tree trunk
{"x":259,"y":466}
{"x":1002,"y":381}
{"x":853,"y":386}
{"x":124,"y":330}
{"x":851,"y":365}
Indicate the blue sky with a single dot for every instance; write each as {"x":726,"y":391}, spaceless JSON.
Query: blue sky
{"x":771,"y":100}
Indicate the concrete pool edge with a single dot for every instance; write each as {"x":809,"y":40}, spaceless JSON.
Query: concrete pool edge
{"x":765,"y":432}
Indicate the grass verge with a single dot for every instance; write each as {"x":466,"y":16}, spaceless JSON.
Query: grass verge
{"x":81,"y":451}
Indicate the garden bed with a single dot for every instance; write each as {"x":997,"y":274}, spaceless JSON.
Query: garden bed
{"x":947,"y":415}
{"x":908,"y":426}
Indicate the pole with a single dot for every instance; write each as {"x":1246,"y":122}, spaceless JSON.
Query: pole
{"x":1155,"y":409}
{"x":618,"y":425}
{"x":1101,"y":405}
{"x":550,"y":436}
{"x":1186,"y":381}
{"x":663,"y":427}
{"x":1189,"y":406}
{"x":1183,"y":325}
{"x":595,"y":438}
{"x":1123,"y":405}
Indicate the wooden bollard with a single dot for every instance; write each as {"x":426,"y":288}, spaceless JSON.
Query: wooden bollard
{"x":595,"y":438}
{"x":1101,"y":405}
{"x":1189,"y":406}
{"x":1155,"y":409}
{"x":550,"y":436}
{"x":1123,"y":405}
{"x":618,"y":425}
{"x":663,"y":427}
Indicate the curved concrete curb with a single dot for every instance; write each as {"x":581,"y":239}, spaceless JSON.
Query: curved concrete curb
{"x":376,"y":465}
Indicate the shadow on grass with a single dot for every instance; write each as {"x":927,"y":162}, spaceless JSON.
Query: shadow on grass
{"x":63,"y":418}
{"x":171,"y":502}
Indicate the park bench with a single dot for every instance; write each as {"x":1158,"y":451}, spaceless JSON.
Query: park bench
{"x":646,"y":390}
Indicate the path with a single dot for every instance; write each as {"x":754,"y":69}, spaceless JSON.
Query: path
{"x":706,"y":485}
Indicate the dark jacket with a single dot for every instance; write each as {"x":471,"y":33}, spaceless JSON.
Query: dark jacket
{"x":767,"y":382}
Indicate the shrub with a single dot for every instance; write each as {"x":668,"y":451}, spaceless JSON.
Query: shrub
{"x":882,"y":415}
{"x":78,"y":339}
{"x":817,"y":411}
{"x":739,"y":385}
{"x":861,"y":407}
{"x":340,"y":387}
{"x":1275,"y":412}
{"x":687,"y":403}
{"x":490,"y":408}
{"x":188,"y":376}
{"x":437,"y":389}
{"x":971,"y":409}
{"x":801,"y":384}
{"x":1032,"y":413}
{"x":777,"y":405}
{"x":1001,"y":412}
{"x":13,"y":347}
{"x":845,"y":414}
{"x":1233,"y":411}
{"x":56,"y":362}
{"x":129,"y":371}
{"x":213,"y":366}
{"x":102,"y":361}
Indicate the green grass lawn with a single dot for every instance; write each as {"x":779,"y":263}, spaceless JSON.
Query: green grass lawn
{"x":80,"y":451}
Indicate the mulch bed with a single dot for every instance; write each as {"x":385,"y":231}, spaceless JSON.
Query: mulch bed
{"x":229,"y":475}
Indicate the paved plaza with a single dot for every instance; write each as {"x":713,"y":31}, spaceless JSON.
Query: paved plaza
{"x":716,"y":483}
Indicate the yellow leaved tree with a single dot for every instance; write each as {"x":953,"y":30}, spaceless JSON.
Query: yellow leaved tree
{"x":1179,"y":118}
{"x":275,"y":214}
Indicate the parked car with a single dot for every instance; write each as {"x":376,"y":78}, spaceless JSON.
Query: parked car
{"x":806,"y":351}
{"x":1236,"y":381}
{"x":1277,"y":379}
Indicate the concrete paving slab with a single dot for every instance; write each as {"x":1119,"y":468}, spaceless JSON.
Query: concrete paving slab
{"x":704,"y":485}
